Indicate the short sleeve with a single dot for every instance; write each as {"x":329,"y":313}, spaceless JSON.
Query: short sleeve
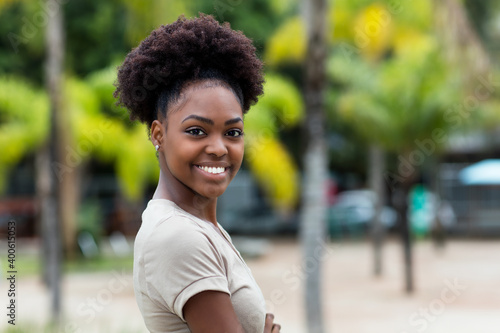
{"x":180,"y":261}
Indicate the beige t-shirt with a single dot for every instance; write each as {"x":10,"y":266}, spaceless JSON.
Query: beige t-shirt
{"x":177,"y":255}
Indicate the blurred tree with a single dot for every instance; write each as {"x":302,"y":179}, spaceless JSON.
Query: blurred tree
{"x":102,"y":42}
{"x":21,"y":41}
{"x":401,"y":105}
{"x":284,"y":49}
{"x":484,"y":17}
{"x":280,"y":107}
{"x":461,"y":43}
{"x":96,"y":29}
{"x":313,"y":217}
{"x":20,"y":131}
{"x":144,"y":16}
{"x":50,"y":190}
{"x":255,"y":18}
{"x":373,"y":29}
{"x":97,"y":130}
{"x":402,"y":102}
{"x":399,"y":88}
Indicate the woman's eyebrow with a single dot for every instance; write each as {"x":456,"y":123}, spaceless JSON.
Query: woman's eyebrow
{"x":233,"y":121}
{"x":202,"y":119}
{"x":211,"y":122}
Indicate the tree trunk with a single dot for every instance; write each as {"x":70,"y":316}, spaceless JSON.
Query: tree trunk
{"x":405,"y":237}
{"x":50,"y":214}
{"x":400,"y":199}
{"x":313,"y":219}
{"x":438,"y":231}
{"x":69,"y":201}
{"x":376,"y":179}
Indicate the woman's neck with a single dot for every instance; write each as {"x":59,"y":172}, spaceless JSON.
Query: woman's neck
{"x":172,"y":189}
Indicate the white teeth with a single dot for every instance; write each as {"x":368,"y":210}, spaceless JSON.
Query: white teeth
{"x":212,"y":170}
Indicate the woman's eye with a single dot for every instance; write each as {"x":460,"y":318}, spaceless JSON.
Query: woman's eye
{"x":195,"y":131}
{"x":235,"y":133}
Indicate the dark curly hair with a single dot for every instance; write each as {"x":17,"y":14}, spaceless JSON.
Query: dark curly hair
{"x":154,"y":74}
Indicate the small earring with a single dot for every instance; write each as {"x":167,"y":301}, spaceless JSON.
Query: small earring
{"x":157,"y":147}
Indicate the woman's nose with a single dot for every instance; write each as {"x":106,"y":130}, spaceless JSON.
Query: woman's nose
{"x":216,"y":146}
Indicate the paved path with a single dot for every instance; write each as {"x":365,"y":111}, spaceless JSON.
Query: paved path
{"x":457,"y":290}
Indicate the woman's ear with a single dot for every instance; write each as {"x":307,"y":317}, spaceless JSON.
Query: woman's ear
{"x":157,"y":133}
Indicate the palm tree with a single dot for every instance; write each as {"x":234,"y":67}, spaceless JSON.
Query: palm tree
{"x":403,"y":114}
{"x":400,"y":104}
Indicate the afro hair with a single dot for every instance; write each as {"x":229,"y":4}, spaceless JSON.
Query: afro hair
{"x":154,"y":73}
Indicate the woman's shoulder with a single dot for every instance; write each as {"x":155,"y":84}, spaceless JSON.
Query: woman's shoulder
{"x":167,"y":224}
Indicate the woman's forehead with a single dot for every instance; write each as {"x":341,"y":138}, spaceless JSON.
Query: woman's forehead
{"x":209,"y":87}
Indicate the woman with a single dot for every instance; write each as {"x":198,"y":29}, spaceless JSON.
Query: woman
{"x":191,"y":82}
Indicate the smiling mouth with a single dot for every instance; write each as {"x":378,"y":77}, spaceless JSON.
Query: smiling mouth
{"x":212,"y":170}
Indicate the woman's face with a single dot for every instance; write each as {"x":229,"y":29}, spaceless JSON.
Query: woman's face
{"x":203,"y":146}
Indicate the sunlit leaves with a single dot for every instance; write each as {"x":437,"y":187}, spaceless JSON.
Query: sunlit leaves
{"x":287,"y":44}
{"x":281,"y":101}
{"x":144,"y":16}
{"x":136,"y":163}
{"x":373,"y":29}
{"x":121,"y":143}
{"x":276,"y":172}
{"x":102,"y":84}
{"x":23,"y":122}
{"x":282,"y":6}
{"x":399,"y":100}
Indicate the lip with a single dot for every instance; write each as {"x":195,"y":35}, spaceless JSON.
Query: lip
{"x":214,"y":164}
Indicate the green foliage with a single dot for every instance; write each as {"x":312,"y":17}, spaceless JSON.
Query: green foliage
{"x":287,"y":44}
{"x":94,"y":30}
{"x":95,"y":34}
{"x":398,"y":101}
{"x":283,"y":7}
{"x":121,"y":142}
{"x":101,"y":83}
{"x":21,"y":41}
{"x":23,"y":122}
{"x":144,"y":16}
{"x":396,"y":86}
{"x":256,"y":18}
{"x":268,"y":159}
{"x":281,"y":104}
{"x":93,"y":133}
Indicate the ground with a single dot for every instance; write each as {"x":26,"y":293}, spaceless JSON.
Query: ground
{"x":456,"y":290}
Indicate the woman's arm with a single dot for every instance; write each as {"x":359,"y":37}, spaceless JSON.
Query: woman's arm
{"x":213,"y":312}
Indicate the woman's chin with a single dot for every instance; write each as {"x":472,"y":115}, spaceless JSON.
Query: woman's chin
{"x":211,"y":193}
